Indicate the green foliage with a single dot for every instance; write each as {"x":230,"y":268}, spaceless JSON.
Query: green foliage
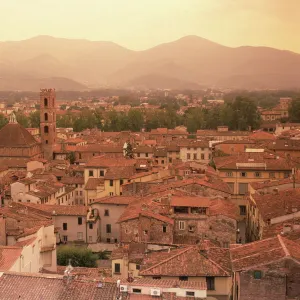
{"x":23,"y":120}
{"x":3,"y":121}
{"x":294,"y":110}
{"x":34,"y":119}
{"x":103,"y":255}
{"x":135,"y":120}
{"x":71,"y":157}
{"x":129,"y":151}
{"x":80,"y":256}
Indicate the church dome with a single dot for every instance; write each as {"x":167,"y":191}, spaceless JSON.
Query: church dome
{"x":14,"y":135}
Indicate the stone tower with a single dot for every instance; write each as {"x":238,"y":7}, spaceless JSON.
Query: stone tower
{"x":48,"y":121}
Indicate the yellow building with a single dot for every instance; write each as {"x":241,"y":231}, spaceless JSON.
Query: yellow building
{"x":239,"y":171}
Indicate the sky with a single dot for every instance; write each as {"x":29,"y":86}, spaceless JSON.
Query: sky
{"x":142,"y":24}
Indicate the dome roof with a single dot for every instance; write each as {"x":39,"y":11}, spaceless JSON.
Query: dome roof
{"x":14,"y":135}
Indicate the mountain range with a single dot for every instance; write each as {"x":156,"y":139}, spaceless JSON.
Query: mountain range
{"x":190,"y":62}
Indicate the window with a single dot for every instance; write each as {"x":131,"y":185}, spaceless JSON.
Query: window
{"x":156,"y":277}
{"x":147,"y":154}
{"x":195,"y":156}
{"x":117,"y":268}
{"x":272,"y":174}
{"x":210,"y":283}
{"x":108,"y":240}
{"x":111,"y":193}
{"x":164,"y":228}
{"x":181,"y":225}
{"x":46,"y":129}
{"x":111,"y":183}
{"x":243,"y":174}
{"x":286,"y":174}
{"x":91,"y":173}
{"x":231,"y":186}
{"x":170,"y":160}
{"x":188,"y":156}
{"x":106,"y":212}
{"x":80,"y":236}
{"x":65,"y":238}
{"x":90,"y":225}
{"x":243,"y":188}
{"x":65,"y":226}
{"x":257,"y":274}
{"x":183,"y":278}
{"x":190,"y":294}
{"x":136,"y":291}
{"x":137,"y":267}
{"x":181,"y":210}
{"x":242,"y":210}
{"x":257,"y":174}
{"x":45,"y":102}
{"x":138,"y":155}
{"x":116,"y":240}
{"x":108,"y":228}
{"x":229,"y":174}
{"x":101,"y":173}
{"x":225,"y":244}
{"x":80,"y":193}
{"x":162,"y":162}
{"x":46,"y":141}
{"x":79,"y":220}
{"x":121,"y":181}
{"x":145,"y":232}
{"x":46,"y":117}
{"x":202,"y":156}
{"x":199,"y":210}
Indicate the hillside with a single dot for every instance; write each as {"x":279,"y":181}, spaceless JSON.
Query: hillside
{"x":189,"y":62}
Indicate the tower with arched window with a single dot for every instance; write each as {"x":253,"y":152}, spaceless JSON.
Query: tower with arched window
{"x":48,"y":121}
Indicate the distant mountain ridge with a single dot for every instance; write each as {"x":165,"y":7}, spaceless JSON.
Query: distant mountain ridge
{"x":190,"y":62}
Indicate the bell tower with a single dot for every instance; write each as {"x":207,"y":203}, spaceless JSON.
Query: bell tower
{"x":48,"y":121}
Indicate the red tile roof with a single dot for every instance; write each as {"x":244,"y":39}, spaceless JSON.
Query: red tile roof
{"x":52,"y":287}
{"x":107,"y":162}
{"x":190,"y":201}
{"x":263,"y":252}
{"x":188,"y":261}
{"x":8,"y":256}
{"x":60,"y":210}
{"x":275,"y":205}
{"x":92,"y":183}
{"x":118,"y":200}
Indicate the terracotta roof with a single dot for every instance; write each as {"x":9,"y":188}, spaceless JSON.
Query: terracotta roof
{"x":92,"y":183}
{"x":52,"y":287}
{"x":8,"y":256}
{"x":271,"y":183}
{"x":60,"y":210}
{"x":190,"y":201}
{"x":277,"y":204}
{"x":188,"y":261}
{"x":119,"y":172}
{"x":256,"y":161}
{"x":262,"y":135}
{"x":118,"y":200}
{"x":14,"y":135}
{"x":284,"y":145}
{"x":143,"y":149}
{"x":72,"y":180}
{"x":263,"y":252}
{"x":98,"y":148}
{"x":107,"y":162}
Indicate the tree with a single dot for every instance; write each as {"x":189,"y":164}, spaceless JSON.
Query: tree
{"x":294,"y":110}
{"x":3,"y":121}
{"x":71,"y":157}
{"x":135,"y":120}
{"x":129,"y":150}
{"x":23,"y":120}
{"x":80,"y":256}
{"x":34,"y":119}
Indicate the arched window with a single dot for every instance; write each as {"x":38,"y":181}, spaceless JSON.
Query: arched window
{"x":45,"y":102}
{"x":46,"y":129}
{"x":46,"y":117}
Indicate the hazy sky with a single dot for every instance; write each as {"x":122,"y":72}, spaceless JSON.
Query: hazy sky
{"x":141,"y":24}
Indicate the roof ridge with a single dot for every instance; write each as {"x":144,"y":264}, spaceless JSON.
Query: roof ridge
{"x":286,"y":251}
{"x":216,"y":264}
{"x":168,"y":259}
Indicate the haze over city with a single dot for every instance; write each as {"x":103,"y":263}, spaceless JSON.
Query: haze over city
{"x":140,"y":25}
{"x":150,"y":150}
